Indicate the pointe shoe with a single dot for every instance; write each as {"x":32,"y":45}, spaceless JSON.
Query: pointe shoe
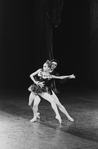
{"x":59,"y":119}
{"x":71,"y":119}
{"x":34,"y":119}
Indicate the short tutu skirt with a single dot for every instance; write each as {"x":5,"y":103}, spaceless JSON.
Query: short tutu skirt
{"x":38,"y":90}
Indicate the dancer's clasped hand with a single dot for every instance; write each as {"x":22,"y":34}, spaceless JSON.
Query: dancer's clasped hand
{"x":41,"y":84}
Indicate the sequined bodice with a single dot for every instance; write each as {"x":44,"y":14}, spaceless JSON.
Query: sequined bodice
{"x":42,"y":77}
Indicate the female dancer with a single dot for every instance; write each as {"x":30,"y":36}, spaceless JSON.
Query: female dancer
{"x":39,"y":89}
{"x":32,"y":94}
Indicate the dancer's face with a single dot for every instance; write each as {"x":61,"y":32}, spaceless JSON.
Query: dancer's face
{"x":54,"y":65}
{"x":45,"y":67}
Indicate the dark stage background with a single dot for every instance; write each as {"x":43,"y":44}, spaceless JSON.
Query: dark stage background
{"x":23,"y":42}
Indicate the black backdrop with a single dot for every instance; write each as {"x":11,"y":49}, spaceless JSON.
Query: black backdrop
{"x":23,"y":42}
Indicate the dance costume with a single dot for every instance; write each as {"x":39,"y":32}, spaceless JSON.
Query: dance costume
{"x":37,"y":89}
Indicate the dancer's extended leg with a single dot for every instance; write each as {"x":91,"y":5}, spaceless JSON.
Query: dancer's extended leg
{"x":61,"y":107}
{"x":49,"y":98}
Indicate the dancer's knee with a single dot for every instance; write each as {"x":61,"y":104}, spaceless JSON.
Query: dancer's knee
{"x":61,"y":106}
{"x":30,"y":104}
{"x":31,"y":99}
{"x":53,"y":104}
{"x":37,"y":101}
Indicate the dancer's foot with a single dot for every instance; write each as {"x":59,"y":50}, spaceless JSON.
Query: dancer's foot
{"x":59,"y":119}
{"x":38,"y":115}
{"x":34,"y":119}
{"x":71,"y":119}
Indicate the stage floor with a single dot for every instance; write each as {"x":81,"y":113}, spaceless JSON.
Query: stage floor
{"x":16,"y":131}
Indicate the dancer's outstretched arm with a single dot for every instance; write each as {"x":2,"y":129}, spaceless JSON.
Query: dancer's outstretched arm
{"x":63,"y":77}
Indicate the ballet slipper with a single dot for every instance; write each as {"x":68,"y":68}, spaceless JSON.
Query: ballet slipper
{"x":59,"y":119}
{"x":34,"y":119}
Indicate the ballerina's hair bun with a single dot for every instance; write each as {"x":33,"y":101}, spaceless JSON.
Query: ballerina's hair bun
{"x":49,"y":63}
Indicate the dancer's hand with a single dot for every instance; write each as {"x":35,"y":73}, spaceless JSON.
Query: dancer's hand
{"x":41,"y":84}
{"x":72,"y":76}
{"x":36,"y":82}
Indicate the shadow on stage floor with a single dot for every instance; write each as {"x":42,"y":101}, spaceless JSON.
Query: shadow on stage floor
{"x":81,"y":104}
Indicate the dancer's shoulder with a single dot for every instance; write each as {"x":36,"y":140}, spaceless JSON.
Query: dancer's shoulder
{"x":36,"y":72}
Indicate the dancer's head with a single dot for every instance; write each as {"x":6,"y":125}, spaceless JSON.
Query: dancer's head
{"x":47,"y":65}
{"x":54,"y":64}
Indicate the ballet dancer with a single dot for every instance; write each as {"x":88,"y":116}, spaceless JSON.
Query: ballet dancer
{"x":53,"y":95}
